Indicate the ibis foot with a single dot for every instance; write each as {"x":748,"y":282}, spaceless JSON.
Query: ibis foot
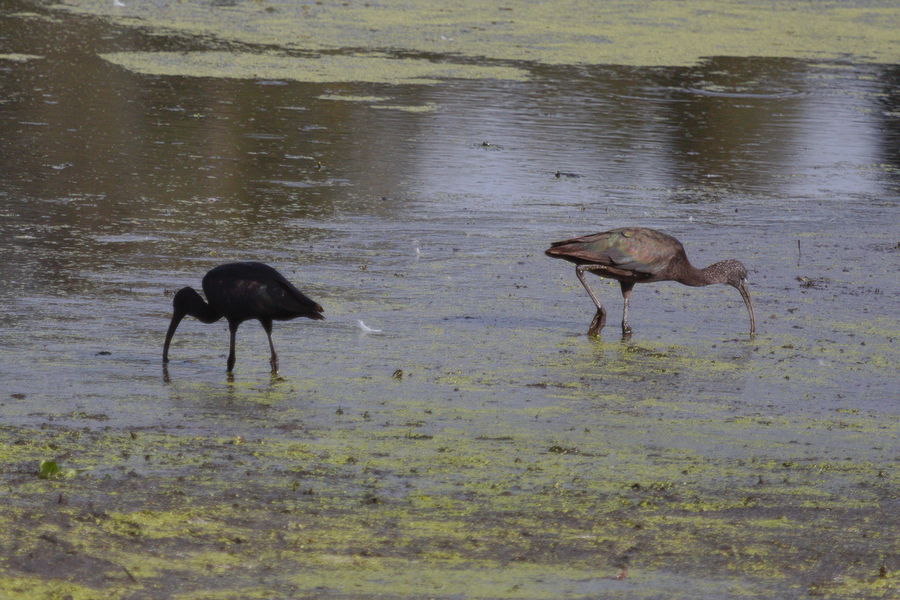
{"x":598,"y":323}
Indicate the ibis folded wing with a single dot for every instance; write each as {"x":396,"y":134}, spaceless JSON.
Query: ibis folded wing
{"x":636,"y":250}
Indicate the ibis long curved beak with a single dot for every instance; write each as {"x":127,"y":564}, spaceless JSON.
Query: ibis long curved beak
{"x":176,"y":319}
{"x":745,"y":294}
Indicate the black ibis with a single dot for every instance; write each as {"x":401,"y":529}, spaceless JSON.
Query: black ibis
{"x":639,"y":255}
{"x":241,"y":291}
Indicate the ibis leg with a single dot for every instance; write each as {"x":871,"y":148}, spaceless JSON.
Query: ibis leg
{"x":600,"y":318}
{"x":273,"y":360}
{"x":232,"y":328}
{"x":626,"y":294}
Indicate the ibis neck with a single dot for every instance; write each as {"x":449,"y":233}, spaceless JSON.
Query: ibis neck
{"x":691,"y":275}
{"x":189,"y":302}
{"x":204,"y":312}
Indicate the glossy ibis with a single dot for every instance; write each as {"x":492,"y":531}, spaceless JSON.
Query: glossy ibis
{"x":639,"y":255}
{"x":241,"y":291}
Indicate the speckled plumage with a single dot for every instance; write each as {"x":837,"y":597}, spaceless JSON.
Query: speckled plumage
{"x":641,"y":255}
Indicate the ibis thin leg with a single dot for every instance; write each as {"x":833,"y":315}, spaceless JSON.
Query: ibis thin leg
{"x":599,"y":320}
{"x":232,"y":330}
{"x":627,"y":286}
{"x":273,"y":360}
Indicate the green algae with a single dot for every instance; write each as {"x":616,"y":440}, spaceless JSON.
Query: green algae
{"x":158,"y":524}
{"x":570,"y":32}
{"x":40,"y":588}
{"x":448,"y":534}
{"x":876,"y":584}
{"x":33,"y":16}
{"x":322,"y":69}
{"x":19,"y":57}
{"x":417,"y":108}
{"x":351,"y":98}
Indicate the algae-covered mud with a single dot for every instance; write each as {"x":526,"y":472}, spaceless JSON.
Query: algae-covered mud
{"x":466,"y":439}
{"x":323,"y":69}
{"x":564,"y":32}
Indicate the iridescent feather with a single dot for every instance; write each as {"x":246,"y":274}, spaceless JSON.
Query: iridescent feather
{"x":640,"y":255}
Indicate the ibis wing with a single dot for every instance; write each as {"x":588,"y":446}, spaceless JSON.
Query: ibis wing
{"x":638,"y":250}
{"x":253,"y":290}
{"x":282,"y":299}
{"x":293,"y":300}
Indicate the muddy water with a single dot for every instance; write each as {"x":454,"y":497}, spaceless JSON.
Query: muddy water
{"x":479,"y":445}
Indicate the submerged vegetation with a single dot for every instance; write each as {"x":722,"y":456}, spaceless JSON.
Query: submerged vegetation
{"x":488,"y":504}
{"x":573,"y":489}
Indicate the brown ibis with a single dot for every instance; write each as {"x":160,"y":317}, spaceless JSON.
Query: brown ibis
{"x":640,"y":255}
{"x":241,"y":291}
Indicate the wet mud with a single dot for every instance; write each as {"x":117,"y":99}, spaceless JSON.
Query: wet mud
{"x":468,"y":440}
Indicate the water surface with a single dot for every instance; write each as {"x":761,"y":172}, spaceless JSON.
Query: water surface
{"x":480,"y":445}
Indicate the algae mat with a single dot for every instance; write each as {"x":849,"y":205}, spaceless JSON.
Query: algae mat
{"x":664,"y":33}
{"x":340,"y":68}
{"x":430,"y":500}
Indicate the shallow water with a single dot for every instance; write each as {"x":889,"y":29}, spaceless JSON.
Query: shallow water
{"x":423,"y":210}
